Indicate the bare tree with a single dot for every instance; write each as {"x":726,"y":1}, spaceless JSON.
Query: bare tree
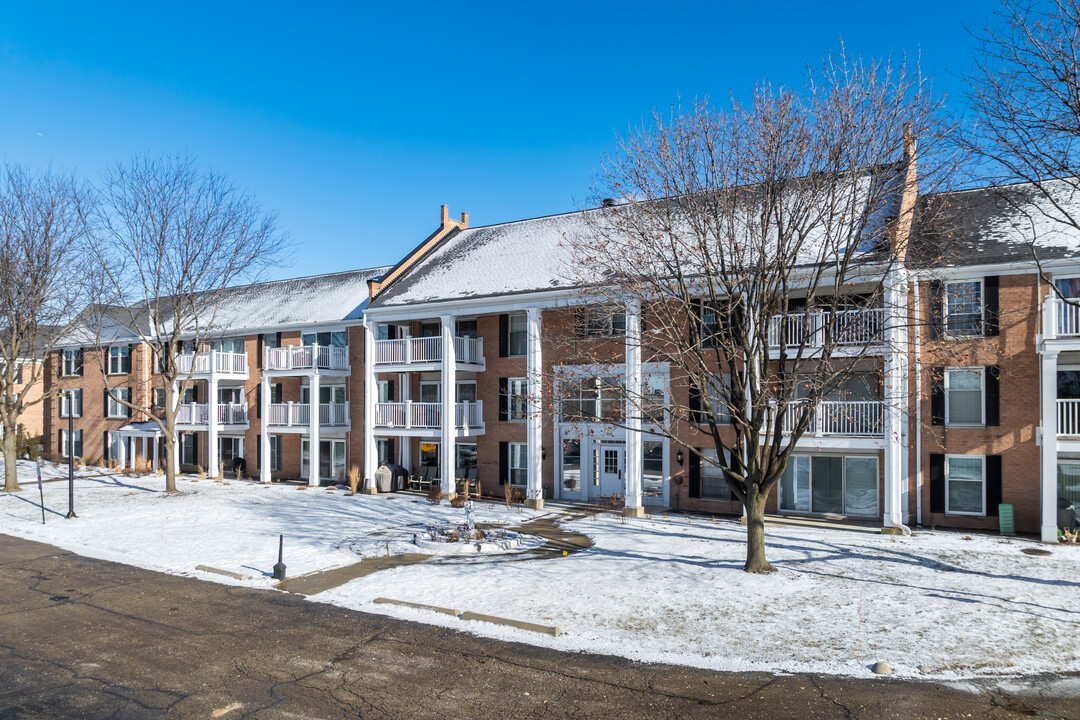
{"x":42,"y":234}
{"x":1025,"y":95}
{"x":762,"y":247}
{"x":170,"y":237}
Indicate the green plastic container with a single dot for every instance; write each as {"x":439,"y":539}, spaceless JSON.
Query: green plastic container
{"x":1006,"y":521}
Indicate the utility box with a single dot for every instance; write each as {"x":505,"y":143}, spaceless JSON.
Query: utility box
{"x":1006,"y":519}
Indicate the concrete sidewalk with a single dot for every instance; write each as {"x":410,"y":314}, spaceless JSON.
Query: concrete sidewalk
{"x":92,"y":639}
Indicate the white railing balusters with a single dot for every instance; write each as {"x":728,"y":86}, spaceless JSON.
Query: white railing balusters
{"x":851,"y":327}
{"x":407,"y":351}
{"x":1068,"y":416}
{"x":421,"y":415}
{"x":840,"y":417}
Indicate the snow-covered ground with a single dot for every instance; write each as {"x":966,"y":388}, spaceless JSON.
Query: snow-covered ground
{"x":662,"y":588}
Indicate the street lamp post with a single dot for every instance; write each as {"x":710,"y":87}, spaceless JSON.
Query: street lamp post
{"x":71,"y":455}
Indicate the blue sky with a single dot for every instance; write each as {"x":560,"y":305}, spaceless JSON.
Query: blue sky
{"x":355,"y":122}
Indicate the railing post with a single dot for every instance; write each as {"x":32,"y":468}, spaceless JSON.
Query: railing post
{"x":408,"y":414}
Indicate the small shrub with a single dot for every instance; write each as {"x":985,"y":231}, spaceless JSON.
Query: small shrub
{"x":434,"y":494}
{"x":354,"y":479}
{"x":513,"y":496}
{"x":458,"y":501}
{"x":200,"y":474}
{"x":239,"y":474}
{"x":142,"y":466}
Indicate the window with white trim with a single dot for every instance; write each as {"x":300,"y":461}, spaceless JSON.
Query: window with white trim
{"x":187,"y":448}
{"x":120,"y":359}
{"x":519,"y":463}
{"x":965,"y":485}
{"x":965,"y":399}
{"x":716,"y":392}
{"x":68,"y":408}
{"x":589,"y":399}
{"x":963,"y":306}
{"x":73,"y":363}
{"x":713,"y":484}
{"x":64,"y":444}
{"x":518,"y":398}
{"x":159,"y":397}
{"x":117,"y":409}
{"x":517,"y":335}
{"x":598,"y":322}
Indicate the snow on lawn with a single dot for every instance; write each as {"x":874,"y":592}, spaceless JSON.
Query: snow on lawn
{"x":662,"y":588}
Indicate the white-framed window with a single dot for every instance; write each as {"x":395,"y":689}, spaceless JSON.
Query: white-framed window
{"x":519,"y":463}
{"x":430,"y":392}
{"x":187,"y":449}
{"x":64,"y":444}
{"x":517,"y":335}
{"x":821,"y":483}
{"x":652,"y":468}
{"x":517,"y":401}
{"x":72,"y":363}
{"x":963,"y":308}
{"x":116,"y":409}
{"x":589,"y":399}
{"x":67,"y":407}
{"x":429,"y":457}
{"x":159,"y":397}
{"x":571,"y":465}
{"x":334,"y":338}
{"x":465,"y":391}
{"x":653,"y":397}
{"x":713,"y":484}
{"x":275,"y":453}
{"x":383,"y":446}
{"x":965,"y":485}
{"x":120,"y":359}
{"x":229,"y":345}
{"x":965,"y":399}
{"x":384,"y":391}
{"x":465,"y":457}
{"x":598,"y":322}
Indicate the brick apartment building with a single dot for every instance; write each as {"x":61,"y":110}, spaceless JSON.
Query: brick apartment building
{"x":978,"y":404}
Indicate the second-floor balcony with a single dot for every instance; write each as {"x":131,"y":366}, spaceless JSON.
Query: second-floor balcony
{"x":199,"y":414}
{"x":331,"y":415}
{"x":426,"y":415}
{"x":306,"y":358}
{"x":1068,"y":417}
{"x":215,"y":361}
{"x":852,"y":418}
{"x":427,"y":350}
{"x":850,"y":328}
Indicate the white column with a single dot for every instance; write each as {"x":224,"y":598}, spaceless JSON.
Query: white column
{"x":313,"y":427}
{"x":447,"y":447}
{"x":264,"y":429}
{"x":154,"y":461}
{"x":371,"y":394}
{"x":211,"y":408}
{"x":534,"y":488}
{"x":634,"y":467}
{"x":1048,"y":494}
{"x":895,"y":397}
{"x":404,"y":442}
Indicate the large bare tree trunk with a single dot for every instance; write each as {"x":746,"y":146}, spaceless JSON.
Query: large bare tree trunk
{"x":11,"y":470}
{"x":170,"y":466}
{"x":755,"y":531}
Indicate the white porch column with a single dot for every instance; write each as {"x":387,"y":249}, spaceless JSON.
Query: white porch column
{"x":534,"y":487}
{"x":447,"y":446}
{"x":1048,"y":494}
{"x":633,"y":462}
{"x":214,"y":457}
{"x":371,"y":394}
{"x":154,"y":462}
{"x":264,"y":429}
{"x":895,"y":331}
{"x":404,"y":442}
{"x":313,"y":425}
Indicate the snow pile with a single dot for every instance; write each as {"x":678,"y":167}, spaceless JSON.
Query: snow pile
{"x":661,"y":588}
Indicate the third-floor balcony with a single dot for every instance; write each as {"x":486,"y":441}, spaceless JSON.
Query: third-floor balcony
{"x":1061,"y":318}
{"x":851,"y":329}
{"x":202,"y":364}
{"x":306,"y":358}
{"x":427,"y":351}
{"x":852,"y":418}
{"x":199,"y":414}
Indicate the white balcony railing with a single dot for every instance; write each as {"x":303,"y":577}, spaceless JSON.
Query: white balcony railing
{"x":1061,"y":318}
{"x":419,"y":415}
{"x":232,"y":414}
{"x":193,"y":414}
{"x":222,"y":362}
{"x":1068,"y":416}
{"x":299,"y":414}
{"x":306,"y":357}
{"x":406,"y":351}
{"x":864,"y":326}
{"x":859,"y":418}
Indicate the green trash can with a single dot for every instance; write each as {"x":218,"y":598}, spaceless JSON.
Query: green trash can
{"x":1006,"y":521}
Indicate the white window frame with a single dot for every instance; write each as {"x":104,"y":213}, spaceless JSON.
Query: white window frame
{"x":982,"y":392}
{"x":65,"y":441}
{"x":510,"y":395}
{"x":948,"y":510}
{"x":945,"y":307}
{"x":523,"y":456}
{"x":438,"y":388}
{"x":599,"y":322}
{"x":510,"y":331}
{"x":65,"y":398}
{"x":703,"y":464}
{"x":118,"y":358}
{"x":158,"y":397}
{"x":184,"y":448}
{"x":384,"y":391}
{"x":67,"y":364}
{"x":115,"y":406}
{"x":457,"y":389}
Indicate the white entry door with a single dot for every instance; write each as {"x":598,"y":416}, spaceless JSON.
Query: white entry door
{"x":611,"y":470}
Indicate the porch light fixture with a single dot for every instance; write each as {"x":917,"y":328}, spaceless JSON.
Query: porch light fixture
{"x":679,"y":458}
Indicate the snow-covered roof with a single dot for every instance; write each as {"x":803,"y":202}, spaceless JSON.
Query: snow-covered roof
{"x":999,"y":225}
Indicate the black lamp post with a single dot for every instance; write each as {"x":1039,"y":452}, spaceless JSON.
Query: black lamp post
{"x":71,"y":455}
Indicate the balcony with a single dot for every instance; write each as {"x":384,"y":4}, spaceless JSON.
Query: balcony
{"x":217,"y":362}
{"x":427,"y":416}
{"x":851,"y":418}
{"x":298,"y":415}
{"x":427,"y":351}
{"x":851,"y":328}
{"x":199,"y":414}
{"x":1061,"y":318}
{"x":306,"y":358}
{"x":1068,"y":417}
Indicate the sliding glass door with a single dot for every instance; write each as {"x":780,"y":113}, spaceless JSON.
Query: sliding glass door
{"x":830,"y":484}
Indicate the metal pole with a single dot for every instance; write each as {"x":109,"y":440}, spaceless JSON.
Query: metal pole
{"x":279,"y":569}
{"x":71,"y":455}
{"x":41,"y":491}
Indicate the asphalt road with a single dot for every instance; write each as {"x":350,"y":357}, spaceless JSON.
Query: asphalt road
{"x":83,"y":638}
